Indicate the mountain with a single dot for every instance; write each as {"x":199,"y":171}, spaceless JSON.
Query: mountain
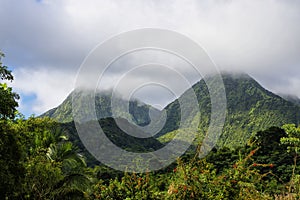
{"x":116,"y":135}
{"x":292,"y":98}
{"x":250,"y":108}
{"x":138,"y":111}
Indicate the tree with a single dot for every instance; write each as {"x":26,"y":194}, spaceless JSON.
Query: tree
{"x":54,"y":168}
{"x":293,"y":147}
{"x":11,"y":169}
{"x":75,"y":180}
{"x":36,"y":159}
{"x":8,"y":98}
{"x":272,"y":151}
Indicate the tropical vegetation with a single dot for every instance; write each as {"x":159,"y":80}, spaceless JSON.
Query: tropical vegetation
{"x":41,"y":158}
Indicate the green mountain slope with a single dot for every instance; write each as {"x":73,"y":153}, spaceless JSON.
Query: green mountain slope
{"x":250,"y":108}
{"x":138,"y":112}
{"x":116,"y":135}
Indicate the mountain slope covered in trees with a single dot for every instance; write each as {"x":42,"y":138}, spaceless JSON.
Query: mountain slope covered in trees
{"x":250,"y":108}
{"x":138,"y":111}
{"x":116,"y":135}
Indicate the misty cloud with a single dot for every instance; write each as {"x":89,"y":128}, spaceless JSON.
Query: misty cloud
{"x":46,"y":41}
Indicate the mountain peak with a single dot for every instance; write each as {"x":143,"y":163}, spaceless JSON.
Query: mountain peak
{"x":250,"y":108}
{"x":138,"y":111}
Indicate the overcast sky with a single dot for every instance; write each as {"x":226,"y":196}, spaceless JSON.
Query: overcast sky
{"x":46,"y":41}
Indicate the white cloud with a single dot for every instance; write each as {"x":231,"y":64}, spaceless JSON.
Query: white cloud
{"x":49,"y":87}
{"x":258,"y":37}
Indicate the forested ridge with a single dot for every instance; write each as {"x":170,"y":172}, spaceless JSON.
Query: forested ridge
{"x":41,"y":158}
{"x":250,"y":108}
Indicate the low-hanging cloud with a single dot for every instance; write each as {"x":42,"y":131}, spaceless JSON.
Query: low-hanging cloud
{"x":46,"y":41}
